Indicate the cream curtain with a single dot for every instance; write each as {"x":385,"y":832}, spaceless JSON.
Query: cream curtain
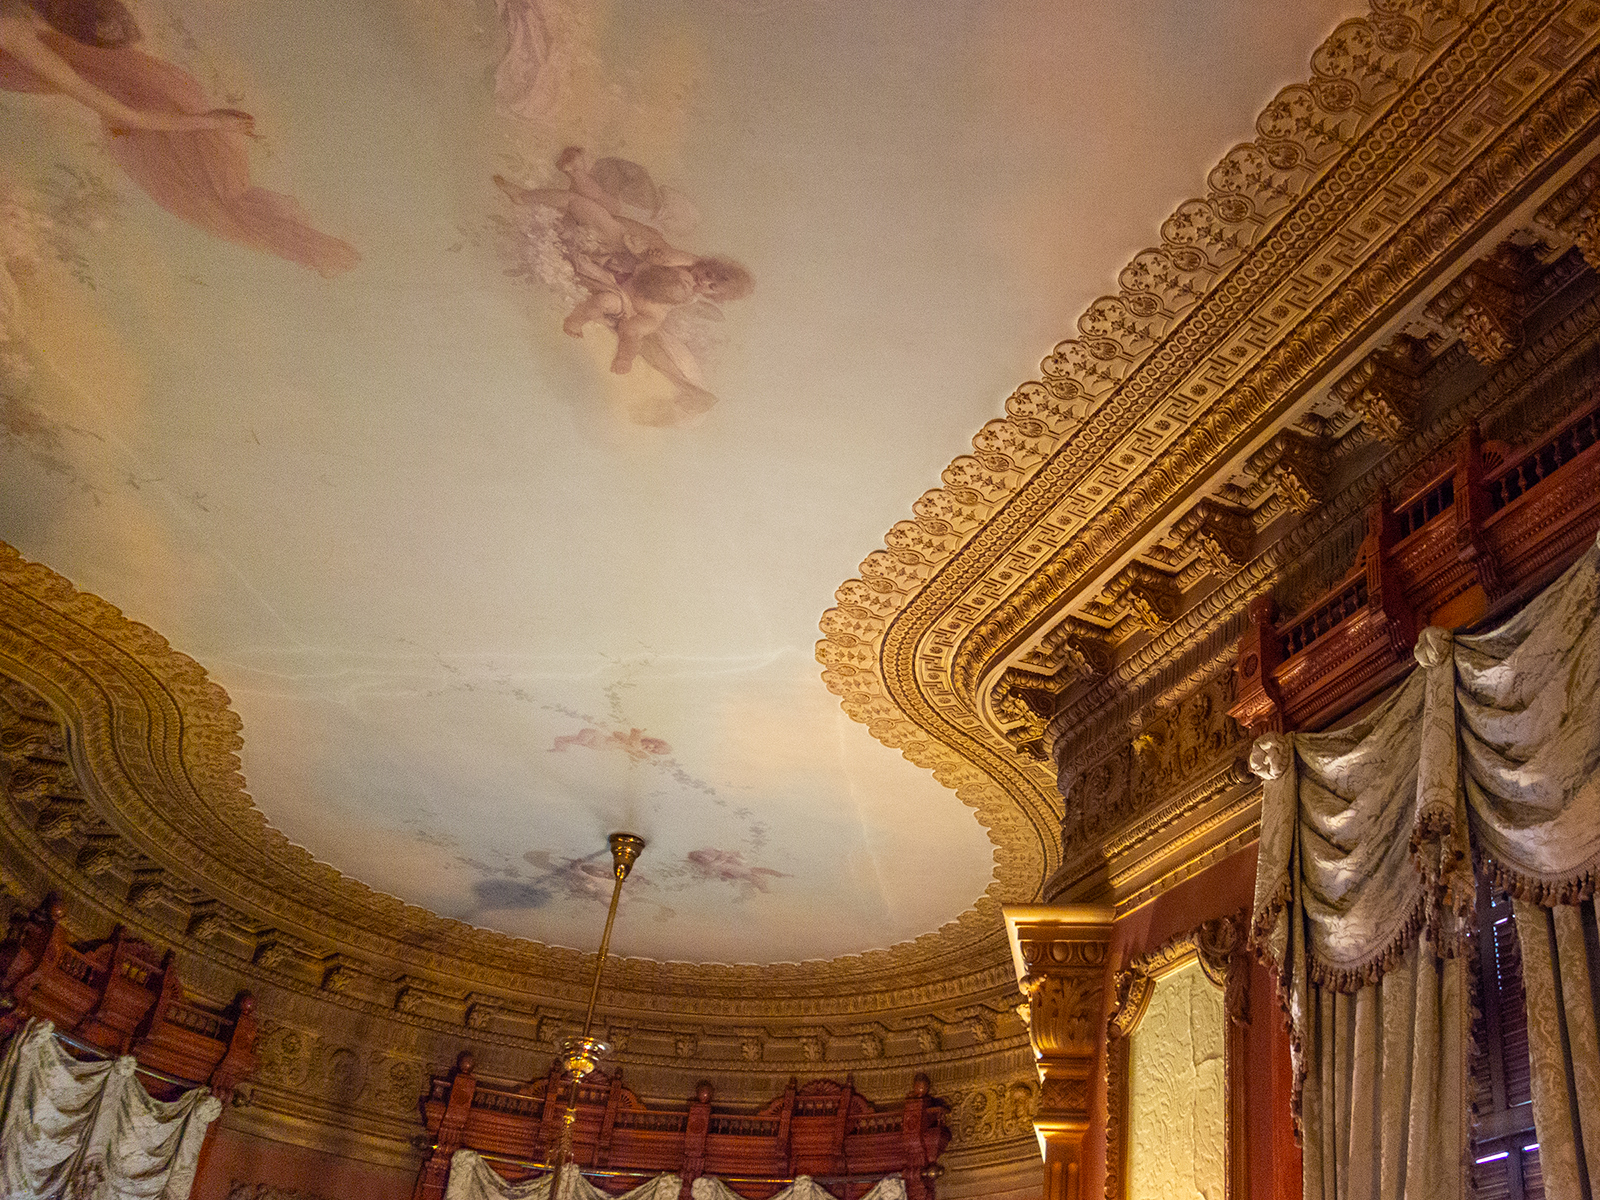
{"x":471,"y":1178}
{"x":88,"y":1130}
{"x":1365,"y":888}
{"x":890,"y":1187}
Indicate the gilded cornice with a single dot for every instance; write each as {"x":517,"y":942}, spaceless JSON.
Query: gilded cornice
{"x":1421,"y":123}
{"x":153,"y":742}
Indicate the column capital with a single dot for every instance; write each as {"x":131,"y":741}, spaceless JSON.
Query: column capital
{"x":1060,"y":953}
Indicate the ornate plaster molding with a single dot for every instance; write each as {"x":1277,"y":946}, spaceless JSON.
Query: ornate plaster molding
{"x":142,"y":812}
{"x":350,"y":1039}
{"x":1308,"y":236}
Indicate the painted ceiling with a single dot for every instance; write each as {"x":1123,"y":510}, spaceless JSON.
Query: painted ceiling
{"x":490,"y":396}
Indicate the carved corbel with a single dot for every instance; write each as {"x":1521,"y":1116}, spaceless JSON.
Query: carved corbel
{"x":1025,"y":702}
{"x":1485,"y":305}
{"x":275,"y":953}
{"x":337,"y":978}
{"x":1385,"y":390}
{"x":147,"y":891}
{"x":1222,"y":535}
{"x":1588,"y":237}
{"x":1060,"y":953}
{"x":480,"y":1010}
{"x":1299,"y":467}
{"x":1153,"y":595}
{"x":1491,"y":319}
{"x":1073,"y":649}
{"x":100,"y":854}
{"x":1259,"y":704}
{"x":1026,"y":698}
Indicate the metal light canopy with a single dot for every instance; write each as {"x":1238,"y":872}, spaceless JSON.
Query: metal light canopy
{"x":581,"y":1054}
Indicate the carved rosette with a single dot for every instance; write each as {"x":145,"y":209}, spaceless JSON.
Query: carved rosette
{"x":1060,"y":953}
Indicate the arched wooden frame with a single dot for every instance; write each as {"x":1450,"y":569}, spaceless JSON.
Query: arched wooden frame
{"x":1220,"y":947}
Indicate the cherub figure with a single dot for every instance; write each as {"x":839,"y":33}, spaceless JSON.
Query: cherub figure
{"x":635,"y":279}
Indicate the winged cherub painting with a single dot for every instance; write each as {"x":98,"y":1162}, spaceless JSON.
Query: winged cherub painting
{"x":600,"y":242}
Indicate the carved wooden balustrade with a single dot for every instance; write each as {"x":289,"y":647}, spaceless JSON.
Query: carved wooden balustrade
{"x":1472,"y":539}
{"x":824,"y":1129}
{"x":121,"y":996}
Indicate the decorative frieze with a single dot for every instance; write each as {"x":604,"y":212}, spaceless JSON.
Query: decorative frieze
{"x":1172,"y":747}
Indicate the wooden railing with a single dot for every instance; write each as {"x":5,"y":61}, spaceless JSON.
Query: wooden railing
{"x":1470,"y":541}
{"x":823,"y":1129}
{"x":122,"y":996}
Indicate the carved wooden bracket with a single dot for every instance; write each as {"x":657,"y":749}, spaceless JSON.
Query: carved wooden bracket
{"x":1153,"y":595}
{"x":1025,"y":702}
{"x":1222,"y":535}
{"x":1026,"y":697}
{"x":1486,"y":305}
{"x":1299,"y":466}
{"x":1491,"y":319}
{"x":1060,"y":953}
{"x":1073,"y":649}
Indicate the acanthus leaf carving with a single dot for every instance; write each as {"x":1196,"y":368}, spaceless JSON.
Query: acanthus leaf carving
{"x":1385,"y":390}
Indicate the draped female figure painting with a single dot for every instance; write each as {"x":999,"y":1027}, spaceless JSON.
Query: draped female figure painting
{"x":188,"y":157}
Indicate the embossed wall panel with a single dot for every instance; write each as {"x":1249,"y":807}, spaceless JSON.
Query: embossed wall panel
{"x":1176,"y":1087}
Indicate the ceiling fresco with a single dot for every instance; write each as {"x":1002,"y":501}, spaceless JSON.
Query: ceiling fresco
{"x":490,"y":396}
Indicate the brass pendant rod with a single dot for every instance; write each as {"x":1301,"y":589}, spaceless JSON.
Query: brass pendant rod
{"x":625,"y":848}
{"x":605,"y":946}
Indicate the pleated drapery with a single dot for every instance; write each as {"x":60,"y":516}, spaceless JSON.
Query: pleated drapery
{"x":1365,"y":890}
{"x":471,"y":1178}
{"x":1561,"y":974}
{"x":89,"y":1130}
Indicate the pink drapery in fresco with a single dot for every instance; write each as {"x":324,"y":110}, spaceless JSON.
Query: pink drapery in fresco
{"x":202,"y":176}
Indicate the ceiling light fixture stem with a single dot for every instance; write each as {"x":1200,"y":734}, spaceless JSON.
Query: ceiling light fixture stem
{"x":605,"y":947}
{"x":580,"y":1055}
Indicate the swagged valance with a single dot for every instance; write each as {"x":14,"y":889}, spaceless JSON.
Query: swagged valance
{"x":1365,"y":887}
{"x":471,"y":1178}
{"x":89,"y":1130}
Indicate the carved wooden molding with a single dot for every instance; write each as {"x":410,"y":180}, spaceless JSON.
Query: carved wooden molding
{"x":1462,"y":543}
{"x":822,"y":1127}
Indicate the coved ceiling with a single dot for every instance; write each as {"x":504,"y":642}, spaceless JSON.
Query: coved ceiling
{"x":490,"y":396}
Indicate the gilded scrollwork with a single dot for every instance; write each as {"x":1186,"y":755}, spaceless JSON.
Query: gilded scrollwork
{"x":992,"y":1113}
{"x":1186,"y":741}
